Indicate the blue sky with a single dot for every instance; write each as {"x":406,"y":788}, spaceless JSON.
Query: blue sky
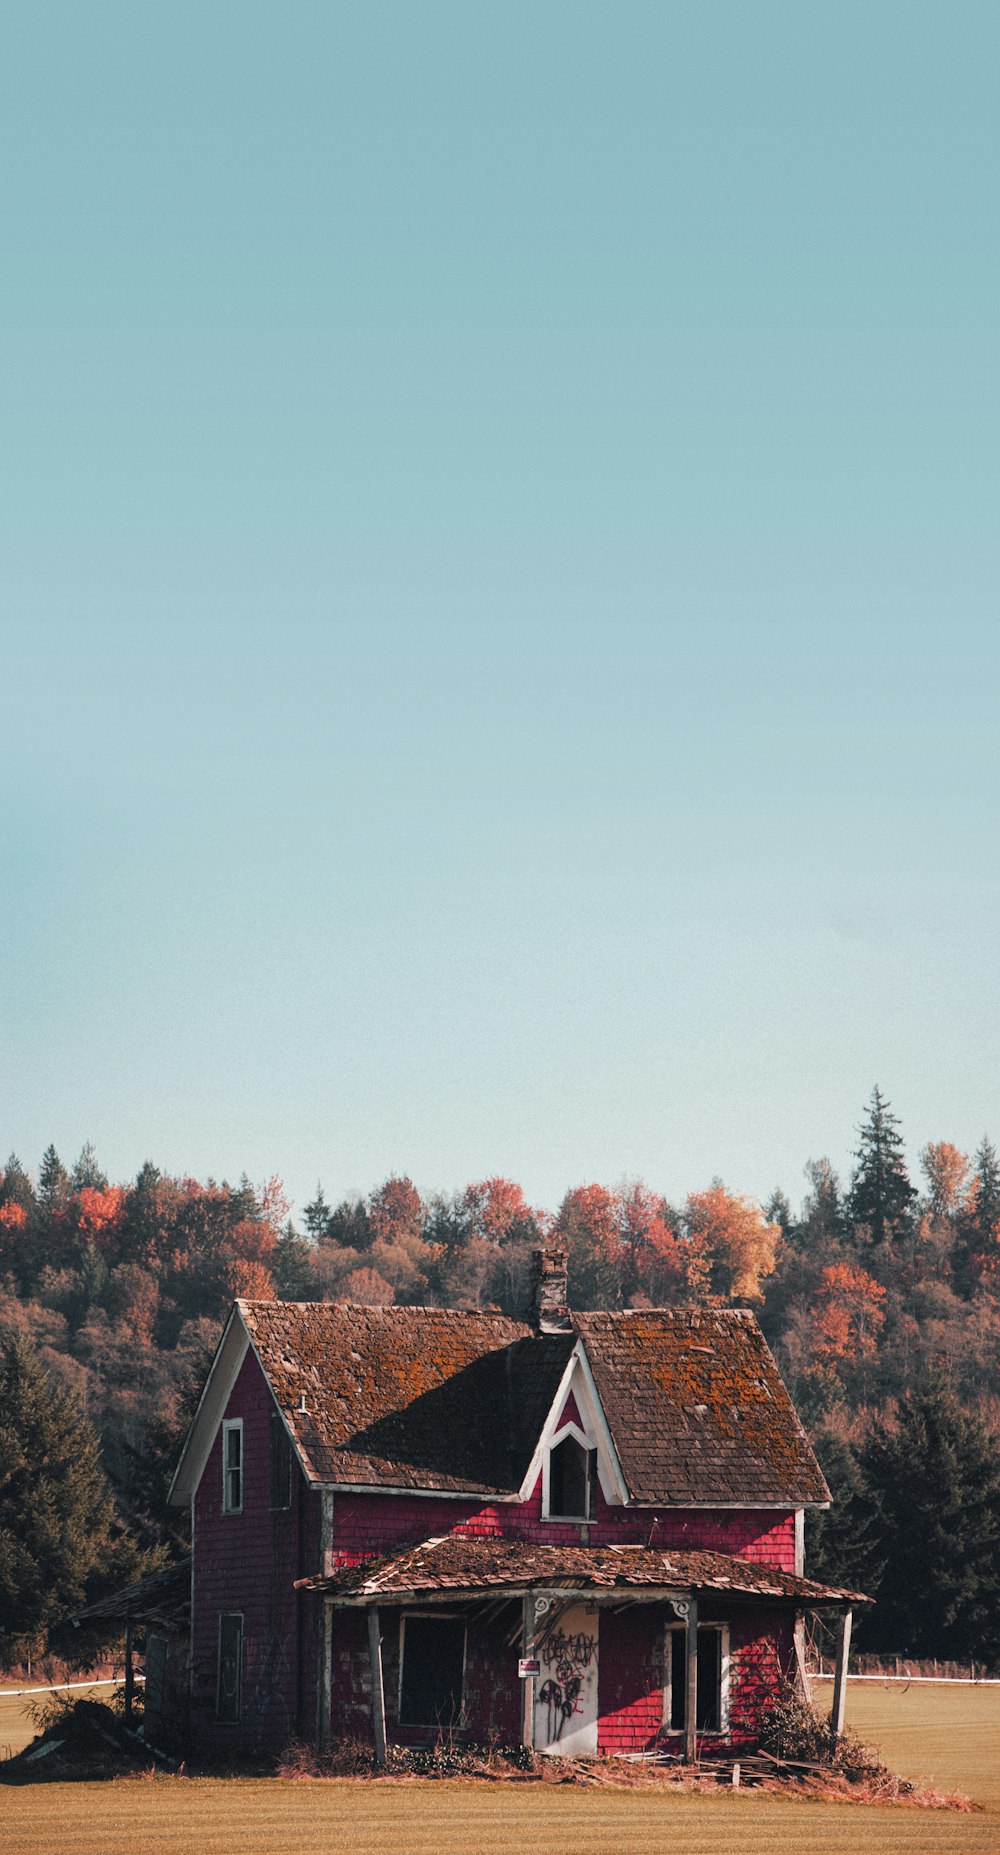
{"x":499,"y":601}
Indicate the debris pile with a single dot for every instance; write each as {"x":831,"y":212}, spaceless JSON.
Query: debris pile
{"x":87,"y":1741}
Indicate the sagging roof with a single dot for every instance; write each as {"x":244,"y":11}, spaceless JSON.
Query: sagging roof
{"x":163,"y":1598}
{"x":455,"y":1400}
{"x":496,"y":1567}
{"x":437,"y":1398}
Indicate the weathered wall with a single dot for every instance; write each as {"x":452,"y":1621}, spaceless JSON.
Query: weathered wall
{"x":492,"y":1696}
{"x":249,"y":1562}
{"x":370,"y":1523}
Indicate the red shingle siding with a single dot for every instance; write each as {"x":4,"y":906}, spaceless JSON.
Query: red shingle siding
{"x":366,"y":1525}
{"x":630,"y":1680}
{"x":248,"y":1562}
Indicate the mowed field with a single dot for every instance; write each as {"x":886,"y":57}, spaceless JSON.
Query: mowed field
{"x":950,"y":1735}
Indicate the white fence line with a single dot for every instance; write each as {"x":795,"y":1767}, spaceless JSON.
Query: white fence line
{"x":65,"y":1687}
{"x":953,"y":1681}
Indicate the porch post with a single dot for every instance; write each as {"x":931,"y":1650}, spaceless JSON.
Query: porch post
{"x":840,"y":1675}
{"x":378,"y":1690}
{"x":528,"y":1685}
{"x":691,"y":1709}
{"x":129,"y":1673}
{"x":325,"y":1690}
{"x":802,"y":1681}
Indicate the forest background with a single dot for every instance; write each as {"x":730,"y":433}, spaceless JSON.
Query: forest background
{"x":879,"y":1296}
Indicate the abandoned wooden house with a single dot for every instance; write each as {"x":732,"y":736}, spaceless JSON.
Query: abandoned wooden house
{"x":580,"y":1531}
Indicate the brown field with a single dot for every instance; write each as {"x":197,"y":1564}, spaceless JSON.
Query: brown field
{"x":949,"y":1735}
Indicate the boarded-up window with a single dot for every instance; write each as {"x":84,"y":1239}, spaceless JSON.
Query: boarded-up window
{"x":156,"y":1674}
{"x":281,"y":1463}
{"x":229,"y":1691}
{"x":433,"y":1663}
{"x":710,"y":1683}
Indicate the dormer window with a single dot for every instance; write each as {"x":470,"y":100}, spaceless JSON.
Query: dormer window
{"x":572,"y":1479}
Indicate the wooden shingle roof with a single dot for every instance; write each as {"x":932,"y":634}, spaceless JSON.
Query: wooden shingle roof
{"x":455,"y":1400}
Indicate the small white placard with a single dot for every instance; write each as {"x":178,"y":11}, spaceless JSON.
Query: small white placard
{"x":527,"y":1666}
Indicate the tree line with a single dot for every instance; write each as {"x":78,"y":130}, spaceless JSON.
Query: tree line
{"x":874,"y":1294}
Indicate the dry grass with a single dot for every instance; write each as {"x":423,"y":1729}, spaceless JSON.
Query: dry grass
{"x":947,"y":1734}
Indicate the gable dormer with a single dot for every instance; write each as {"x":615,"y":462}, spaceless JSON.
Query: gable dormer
{"x":575,"y":1454}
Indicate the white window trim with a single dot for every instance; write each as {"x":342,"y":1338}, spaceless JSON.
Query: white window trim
{"x":439,"y":1616}
{"x":218,"y":1669}
{"x":679,"y":1629}
{"x":569,"y":1428}
{"x":229,"y":1424}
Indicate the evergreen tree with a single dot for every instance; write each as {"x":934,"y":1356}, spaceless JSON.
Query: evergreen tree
{"x":59,"y":1537}
{"x":15,"y":1185}
{"x":842,"y":1540}
{"x":291,"y":1267}
{"x":936,"y":1481}
{"x":53,"y":1186}
{"x":87,"y":1172}
{"x":881,"y":1196}
{"x":316,"y":1216}
{"x":987,"y":1189}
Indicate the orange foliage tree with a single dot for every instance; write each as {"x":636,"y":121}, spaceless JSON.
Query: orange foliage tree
{"x":732,"y":1244}
{"x":848,"y":1315}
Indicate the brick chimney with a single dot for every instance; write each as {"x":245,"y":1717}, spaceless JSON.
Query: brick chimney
{"x":549,"y":1312}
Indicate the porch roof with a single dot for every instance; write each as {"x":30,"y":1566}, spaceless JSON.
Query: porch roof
{"x":162,"y":1598}
{"x":453,"y":1567}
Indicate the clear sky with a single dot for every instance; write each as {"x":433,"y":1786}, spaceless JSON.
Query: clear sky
{"x":500,"y":549}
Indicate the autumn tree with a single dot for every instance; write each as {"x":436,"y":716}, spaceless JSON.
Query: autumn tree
{"x":651,"y":1258}
{"x":587,"y":1228}
{"x":881,"y":1196}
{"x":732,"y":1245}
{"x":949,"y":1179}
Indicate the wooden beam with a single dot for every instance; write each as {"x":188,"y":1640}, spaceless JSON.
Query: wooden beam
{"x":129,"y":1674}
{"x":378,"y":1689}
{"x":838,"y":1709}
{"x":802,"y":1681}
{"x":528,"y":1685}
{"x":691,"y":1709}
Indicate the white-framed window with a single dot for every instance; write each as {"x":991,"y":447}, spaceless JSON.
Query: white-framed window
{"x":229,"y":1678}
{"x":713,"y":1678}
{"x":431,"y":1668}
{"x":232,"y":1465}
{"x":569,"y":1476}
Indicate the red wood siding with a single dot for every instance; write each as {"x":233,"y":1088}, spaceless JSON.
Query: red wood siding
{"x":248,"y":1562}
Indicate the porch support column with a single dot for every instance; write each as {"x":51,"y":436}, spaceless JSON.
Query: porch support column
{"x":691,"y":1709}
{"x":802,"y":1681}
{"x":129,"y":1674}
{"x":324,"y":1699}
{"x":840,"y":1674}
{"x":378,"y":1690}
{"x":528,"y":1685}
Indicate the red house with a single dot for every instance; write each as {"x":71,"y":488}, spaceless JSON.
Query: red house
{"x":583,"y":1531}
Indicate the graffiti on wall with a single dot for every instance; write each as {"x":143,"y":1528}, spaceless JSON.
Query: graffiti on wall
{"x":566,"y":1661}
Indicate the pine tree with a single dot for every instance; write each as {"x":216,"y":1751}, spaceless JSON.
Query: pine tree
{"x":53,"y":1185}
{"x":842,"y":1541}
{"x":15,"y":1185}
{"x":291,"y":1267}
{"x":936,"y":1481}
{"x":59,"y":1536}
{"x":87,"y":1172}
{"x":316,"y":1216}
{"x":881,"y":1196}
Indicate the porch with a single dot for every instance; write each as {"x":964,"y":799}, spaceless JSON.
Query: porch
{"x":573,"y":1651}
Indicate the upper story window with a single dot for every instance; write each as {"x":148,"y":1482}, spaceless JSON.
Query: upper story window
{"x":572,"y":1480}
{"x":281,"y":1464}
{"x":232,"y":1465}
